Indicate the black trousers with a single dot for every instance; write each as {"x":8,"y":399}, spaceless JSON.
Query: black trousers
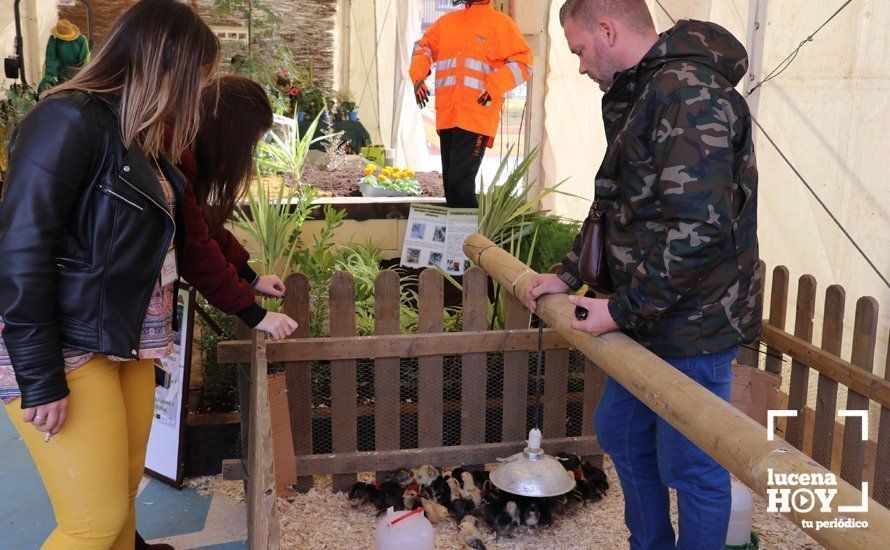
{"x":462,"y":153}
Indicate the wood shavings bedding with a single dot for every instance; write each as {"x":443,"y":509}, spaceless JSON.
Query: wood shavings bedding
{"x":321,"y":519}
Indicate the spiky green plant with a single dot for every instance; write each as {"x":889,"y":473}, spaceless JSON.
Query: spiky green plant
{"x":287,"y":154}
{"x":274,"y":222}
{"x":508,"y":208}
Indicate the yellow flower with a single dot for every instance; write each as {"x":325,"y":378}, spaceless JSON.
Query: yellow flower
{"x":370,"y":169}
{"x":410,"y":173}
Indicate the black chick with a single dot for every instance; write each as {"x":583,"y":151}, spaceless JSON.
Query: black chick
{"x":391,"y":495}
{"x":358,"y":494}
{"x":457,"y":474}
{"x":441,"y":491}
{"x":596,"y":477}
{"x":536,"y":512}
{"x":530,"y":513}
{"x":461,"y":508}
{"x":570,"y":462}
{"x":586,"y":490}
{"x":402,"y":476}
{"x":503,"y":525}
{"x":480,"y":477}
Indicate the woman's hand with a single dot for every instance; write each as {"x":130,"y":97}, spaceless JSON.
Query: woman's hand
{"x":48,"y":418}
{"x":278,"y":325}
{"x":270,"y":285}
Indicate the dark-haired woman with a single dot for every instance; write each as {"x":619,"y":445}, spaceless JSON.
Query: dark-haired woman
{"x":236,"y":114}
{"x":91,"y":234}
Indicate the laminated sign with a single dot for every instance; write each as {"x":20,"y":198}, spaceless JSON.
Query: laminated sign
{"x":435,"y":237}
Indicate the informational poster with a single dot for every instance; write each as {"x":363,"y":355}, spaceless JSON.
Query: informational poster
{"x":163,"y":459}
{"x":435,"y":237}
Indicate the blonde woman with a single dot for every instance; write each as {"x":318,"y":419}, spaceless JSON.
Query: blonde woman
{"x":91,"y":235}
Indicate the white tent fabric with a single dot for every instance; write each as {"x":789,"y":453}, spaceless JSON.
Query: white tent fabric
{"x":45,"y":13}
{"x":408,"y":138}
{"x":828,"y":112}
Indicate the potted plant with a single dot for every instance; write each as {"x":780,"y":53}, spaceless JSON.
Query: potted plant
{"x":391,"y":182}
{"x":348,"y":110}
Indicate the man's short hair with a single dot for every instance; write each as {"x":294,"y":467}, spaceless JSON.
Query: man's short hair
{"x":633,"y":13}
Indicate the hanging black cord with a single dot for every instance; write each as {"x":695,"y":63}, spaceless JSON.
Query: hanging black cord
{"x":538,"y":373}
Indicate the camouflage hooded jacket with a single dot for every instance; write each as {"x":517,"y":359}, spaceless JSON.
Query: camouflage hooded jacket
{"x":678,"y":185}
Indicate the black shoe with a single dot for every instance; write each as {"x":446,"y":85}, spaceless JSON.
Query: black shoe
{"x":142,"y":545}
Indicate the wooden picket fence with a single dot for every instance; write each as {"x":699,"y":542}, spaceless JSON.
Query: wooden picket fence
{"x":431,"y":347}
{"x":817,"y":431}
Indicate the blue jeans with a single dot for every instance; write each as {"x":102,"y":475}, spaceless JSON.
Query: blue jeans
{"x":650,"y":456}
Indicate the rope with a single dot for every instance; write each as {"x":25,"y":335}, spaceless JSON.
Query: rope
{"x":822,"y":204}
{"x":774,"y":74}
{"x":785,"y":63}
{"x":674,"y":21}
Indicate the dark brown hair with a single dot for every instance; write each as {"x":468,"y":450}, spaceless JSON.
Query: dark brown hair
{"x":157,"y":57}
{"x":234,"y":115}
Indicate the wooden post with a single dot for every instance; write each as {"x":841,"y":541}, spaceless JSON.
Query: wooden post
{"x":725,"y":433}
{"x":344,"y":400}
{"x":864,"y":340}
{"x":800,"y":373}
{"x":555,"y":398}
{"x":882,"y":462}
{"x":826,"y":393}
{"x":513,"y":425}
{"x":429,"y":393}
{"x":387,"y":418}
{"x":262,"y":518}
{"x":244,"y":333}
{"x":777,"y":310}
{"x":298,"y":375}
{"x":474,"y":366}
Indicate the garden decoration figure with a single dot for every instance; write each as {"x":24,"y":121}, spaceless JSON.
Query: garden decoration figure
{"x":66,"y":52}
{"x":479,"y":56}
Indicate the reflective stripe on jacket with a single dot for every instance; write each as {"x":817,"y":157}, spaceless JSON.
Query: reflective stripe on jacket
{"x":473,"y":50}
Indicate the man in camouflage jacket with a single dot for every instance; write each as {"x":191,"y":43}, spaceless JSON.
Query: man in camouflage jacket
{"x":678,"y":186}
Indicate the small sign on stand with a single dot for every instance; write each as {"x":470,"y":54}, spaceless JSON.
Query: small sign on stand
{"x":435,"y":237}
{"x":164,"y":458}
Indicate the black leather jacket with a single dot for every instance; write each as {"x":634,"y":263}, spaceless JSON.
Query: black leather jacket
{"x":84,"y":229}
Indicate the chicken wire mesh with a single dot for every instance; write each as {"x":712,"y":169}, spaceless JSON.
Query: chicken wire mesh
{"x":409,"y":379}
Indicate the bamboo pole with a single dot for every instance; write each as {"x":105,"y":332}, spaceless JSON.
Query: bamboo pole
{"x":737,"y":442}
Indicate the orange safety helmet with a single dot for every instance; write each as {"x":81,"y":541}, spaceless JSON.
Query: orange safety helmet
{"x":474,"y":50}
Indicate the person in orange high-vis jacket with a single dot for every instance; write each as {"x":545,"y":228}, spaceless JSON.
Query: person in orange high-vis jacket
{"x":479,"y":55}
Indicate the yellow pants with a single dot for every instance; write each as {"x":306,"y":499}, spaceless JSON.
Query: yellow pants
{"x":92,"y":467}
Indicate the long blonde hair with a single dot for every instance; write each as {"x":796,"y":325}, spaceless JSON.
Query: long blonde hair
{"x":155,"y":61}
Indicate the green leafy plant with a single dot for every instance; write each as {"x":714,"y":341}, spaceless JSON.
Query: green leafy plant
{"x":274,"y":224}
{"x":19,"y":100}
{"x":317,"y":260}
{"x":509,"y":215}
{"x":555,"y":236}
{"x":287,"y":154}
{"x":219,"y":391}
{"x":508,"y":208}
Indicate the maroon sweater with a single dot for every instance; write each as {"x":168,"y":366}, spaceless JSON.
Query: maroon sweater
{"x":216,"y":265}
